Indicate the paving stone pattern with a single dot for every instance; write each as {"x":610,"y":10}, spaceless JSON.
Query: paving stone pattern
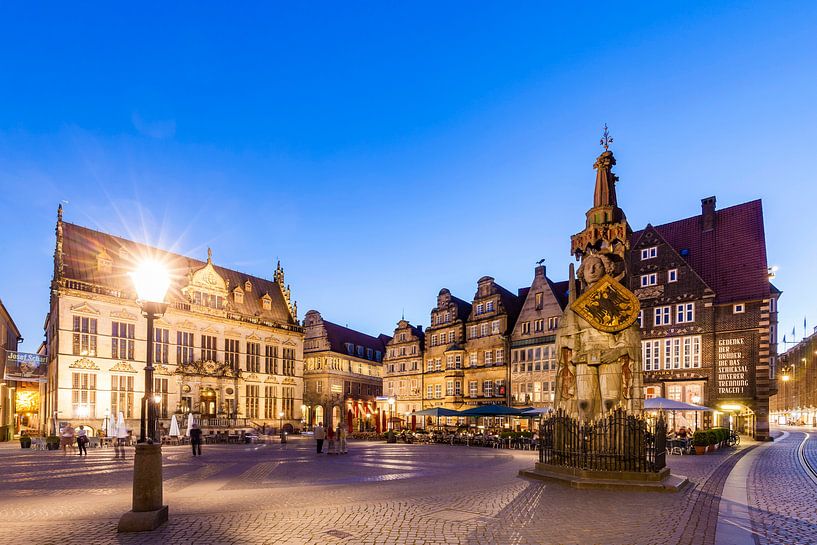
{"x":782,"y":498}
{"x":377,"y":494}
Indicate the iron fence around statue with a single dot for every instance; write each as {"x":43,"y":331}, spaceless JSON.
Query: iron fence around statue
{"x":616,"y":442}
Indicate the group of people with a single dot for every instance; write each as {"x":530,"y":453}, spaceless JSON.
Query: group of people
{"x":67,"y":437}
{"x":336,"y":439}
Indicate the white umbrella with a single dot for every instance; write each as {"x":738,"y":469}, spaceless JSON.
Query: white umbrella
{"x":189,"y":424}
{"x":121,"y":430}
{"x":111,"y":428}
{"x":174,"y":427}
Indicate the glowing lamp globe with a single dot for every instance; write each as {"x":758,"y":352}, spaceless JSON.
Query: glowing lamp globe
{"x":151,"y":281}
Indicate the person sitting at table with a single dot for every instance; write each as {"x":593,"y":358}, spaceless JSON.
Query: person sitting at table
{"x":683,"y":433}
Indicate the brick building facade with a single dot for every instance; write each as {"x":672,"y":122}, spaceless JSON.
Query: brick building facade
{"x":795,"y":401}
{"x":708,"y":317}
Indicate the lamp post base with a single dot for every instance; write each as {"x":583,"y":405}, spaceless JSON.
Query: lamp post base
{"x":148,"y":513}
{"x":142,"y":521}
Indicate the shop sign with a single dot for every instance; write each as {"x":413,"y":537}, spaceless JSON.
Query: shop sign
{"x":25,"y":367}
{"x":733,"y":367}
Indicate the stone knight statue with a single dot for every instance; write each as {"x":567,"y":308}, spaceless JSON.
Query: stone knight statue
{"x":598,"y":341}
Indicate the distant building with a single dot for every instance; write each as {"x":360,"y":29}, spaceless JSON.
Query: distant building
{"x":796,"y":399}
{"x":9,"y":340}
{"x":403,"y":370}
{"x":343,"y":374}
{"x":533,"y":342}
{"x":229,"y":348}
{"x":709,"y":313}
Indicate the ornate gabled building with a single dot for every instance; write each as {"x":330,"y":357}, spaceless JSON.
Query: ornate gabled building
{"x":494,"y":312}
{"x":708,"y":312}
{"x":343,"y":374}
{"x":533,"y":341}
{"x":445,"y":352}
{"x":229,"y":348}
{"x":9,"y":339}
{"x":403,"y":368}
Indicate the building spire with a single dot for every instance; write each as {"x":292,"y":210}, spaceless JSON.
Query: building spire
{"x":209,"y":255}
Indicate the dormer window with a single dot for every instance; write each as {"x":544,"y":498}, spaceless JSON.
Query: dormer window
{"x":266,"y":302}
{"x":247,"y":286}
{"x":103,"y":261}
{"x":238,"y":296}
{"x":480,"y":308}
{"x":489,"y":306}
{"x":350,"y":349}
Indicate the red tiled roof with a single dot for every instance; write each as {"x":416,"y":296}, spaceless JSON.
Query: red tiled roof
{"x":82,"y":245}
{"x":339,"y":336}
{"x":731,"y":258}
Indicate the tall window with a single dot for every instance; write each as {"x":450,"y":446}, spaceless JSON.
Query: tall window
{"x":458,"y":388}
{"x":122,"y":340}
{"x":438,"y":391}
{"x":451,"y":337}
{"x":449,"y":388}
{"x":480,"y":308}
{"x":160,"y":389}
{"x":288,"y":400}
{"x":429,"y":391}
{"x":84,"y":336}
{"x":184,"y":347}
{"x":495,"y":327}
{"x":489,"y":306}
{"x":685,"y":313}
{"x":251,"y":401}
{"x":271,"y":360}
{"x":472,"y":388}
{"x":122,"y":395}
{"x":540,"y":300}
{"x":474,"y":334}
{"x":289,"y":362}
{"x":488,"y":357}
{"x":662,"y":316}
{"x":83,"y":393}
{"x":651,"y":354}
{"x":161,"y":345}
{"x":539,"y":325}
{"x":525,"y":328}
{"x":231,"y":352}
{"x":553,"y":323}
{"x":269,"y":402}
{"x":449,"y":362}
{"x":672,"y":353}
{"x":549,"y":357}
{"x":253,"y":358}
{"x":499,"y":355}
{"x":488,"y":388}
{"x":209,"y":348}
{"x":483,"y":329}
{"x":472,"y":359}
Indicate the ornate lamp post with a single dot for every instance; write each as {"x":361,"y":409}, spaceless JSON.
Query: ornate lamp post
{"x":151,"y":281}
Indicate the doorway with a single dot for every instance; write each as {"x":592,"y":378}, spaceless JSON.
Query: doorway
{"x":208,"y":402}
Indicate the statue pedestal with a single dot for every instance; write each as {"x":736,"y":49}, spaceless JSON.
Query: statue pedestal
{"x":661,"y":481}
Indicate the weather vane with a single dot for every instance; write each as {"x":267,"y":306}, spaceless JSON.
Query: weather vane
{"x":606,"y":139}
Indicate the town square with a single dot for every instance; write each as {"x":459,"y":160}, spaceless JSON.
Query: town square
{"x":444,"y":274}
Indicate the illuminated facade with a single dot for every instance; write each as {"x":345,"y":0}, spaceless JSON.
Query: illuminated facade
{"x":9,"y":339}
{"x":229,"y":348}
{"x":343,"y":374}
{"x":403,"y":370}
{"x":796,"y":399}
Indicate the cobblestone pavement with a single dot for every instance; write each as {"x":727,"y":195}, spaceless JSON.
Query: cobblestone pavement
{"x":782,"y":498}
{"x":377,"y":494}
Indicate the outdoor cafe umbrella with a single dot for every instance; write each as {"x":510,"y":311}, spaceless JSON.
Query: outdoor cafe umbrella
{"x":111,"y":428}
{"x":121,"y":430}
{"x":174,"y":427}
{"x":438,"y":412}
{"x":671,"y":405}
{"x":189,"y":424}
{"x":491,"y":410}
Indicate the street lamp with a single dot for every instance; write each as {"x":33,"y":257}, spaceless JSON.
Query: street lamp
{"x":151,"y":282}
{"x":696,"y":399}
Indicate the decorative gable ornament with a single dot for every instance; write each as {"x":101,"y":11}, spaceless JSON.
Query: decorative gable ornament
{"x":122,"y":367}
{"x":84,"y":363}
{"x":123,"y":315}
{"x":84,"y":308}
{"x":608,"y":306}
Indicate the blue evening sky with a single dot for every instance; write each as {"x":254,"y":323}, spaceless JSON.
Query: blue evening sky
{"x":385,"y":150}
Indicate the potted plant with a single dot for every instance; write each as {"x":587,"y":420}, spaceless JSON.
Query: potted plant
{"x":700,"y":440}
{"x":52,"y":442}
{"x":25,"y":440}
{"x":712,"y":438}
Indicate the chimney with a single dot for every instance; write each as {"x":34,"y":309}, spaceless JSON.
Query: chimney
{"x":539,"y":271}
{"x":708,"y":213}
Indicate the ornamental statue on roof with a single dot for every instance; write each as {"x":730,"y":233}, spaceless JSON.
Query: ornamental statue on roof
{"x":598,"y":341}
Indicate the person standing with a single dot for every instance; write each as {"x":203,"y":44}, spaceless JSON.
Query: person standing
{"x":342,"y":439}
{"x":330,"y":437}
{"x":82,"y":441}
{"x":320,"y":435}
{"x":67,"y":438}
{"x":195,"y":439}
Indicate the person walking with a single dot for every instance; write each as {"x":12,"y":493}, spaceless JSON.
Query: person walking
{"x":195,"y":439}
{"x":330,"y":436}
{"x":67,"y":438}
{"x":342,"y":439}
{"x":82,"y":441}
{"x":320,"y":435}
